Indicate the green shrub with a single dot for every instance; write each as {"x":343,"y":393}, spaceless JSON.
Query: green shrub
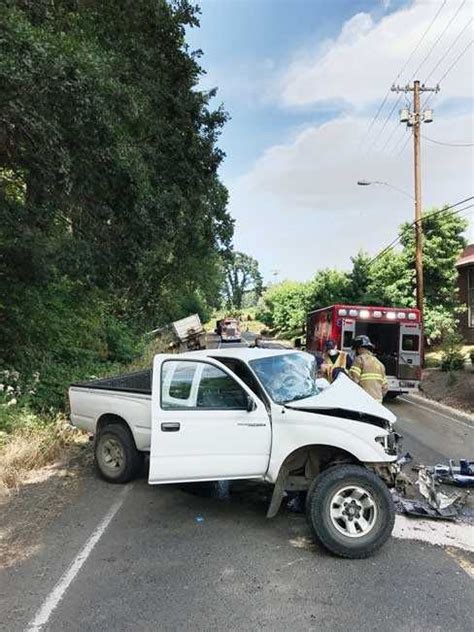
{"x":453,"y":361}
{"x":452,"y":358}
{"x":122,"y":345}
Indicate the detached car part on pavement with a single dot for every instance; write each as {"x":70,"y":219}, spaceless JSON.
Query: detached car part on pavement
{"x":258,"y":414}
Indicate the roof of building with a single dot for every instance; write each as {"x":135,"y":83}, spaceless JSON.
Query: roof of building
{"x":467,"y":257}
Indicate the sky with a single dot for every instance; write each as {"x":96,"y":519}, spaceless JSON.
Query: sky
{"x":303,"y":81}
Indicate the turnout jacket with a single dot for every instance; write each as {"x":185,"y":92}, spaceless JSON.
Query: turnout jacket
{"x":369,"y":373}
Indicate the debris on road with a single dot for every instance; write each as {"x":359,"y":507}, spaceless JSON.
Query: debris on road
{"x":427,"y":484}
{"x":435,"y":503}
{"x":405,"y":459}
{"x":422,"y":509}
{"x":460,"y":476}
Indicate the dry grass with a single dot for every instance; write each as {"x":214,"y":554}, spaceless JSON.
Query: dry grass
{"x":31,"y":447}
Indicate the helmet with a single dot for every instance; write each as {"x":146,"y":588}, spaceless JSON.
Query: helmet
{"x":362,"y":342}
{"x":329,"y":344}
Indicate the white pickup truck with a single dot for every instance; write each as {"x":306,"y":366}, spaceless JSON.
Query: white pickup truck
{"x":242,"y":413}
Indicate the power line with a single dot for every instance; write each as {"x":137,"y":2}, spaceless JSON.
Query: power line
{"x":385,"y":122}
{"x":465,"y":208}
{"x":443,"y":57}
{"x":440,"y":37}
{"x":396,"y":127}
{"x":410,"y":57}
{"x":393,"y":243}
{"x":455,"y":62}
{"x":404,"y":145}
{"x":439,"y":142}
{"x":464,"y":50}
{"x":436,"y":66}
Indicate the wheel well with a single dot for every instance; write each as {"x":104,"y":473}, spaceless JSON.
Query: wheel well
{"x":108,"y":419}
{"x":310,"y":460}
{"x":300,"y":468}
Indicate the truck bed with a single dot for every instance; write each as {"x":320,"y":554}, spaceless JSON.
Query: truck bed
{"x":125,"y":396}
{"x":137,"y":382}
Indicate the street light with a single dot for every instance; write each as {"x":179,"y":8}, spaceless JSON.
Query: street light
{"x":366,"y":183}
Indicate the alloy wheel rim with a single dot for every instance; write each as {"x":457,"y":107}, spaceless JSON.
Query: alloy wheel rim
{"x":112,"y":454}
{"x":353,"y":511}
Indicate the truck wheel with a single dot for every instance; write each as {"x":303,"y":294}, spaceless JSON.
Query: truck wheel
{"x":116,"y":456}
{"x":350,"y":510}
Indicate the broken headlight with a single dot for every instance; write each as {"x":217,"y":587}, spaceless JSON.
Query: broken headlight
{"x":390,"y":442}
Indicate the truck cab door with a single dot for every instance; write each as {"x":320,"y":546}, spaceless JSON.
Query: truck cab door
{"x":206,"y":423}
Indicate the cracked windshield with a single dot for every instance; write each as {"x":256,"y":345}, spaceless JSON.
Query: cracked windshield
{"x":287,"y":377}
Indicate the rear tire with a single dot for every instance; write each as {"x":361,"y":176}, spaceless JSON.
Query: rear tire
{"x":116,"y":457}
{"x":350,"y":510}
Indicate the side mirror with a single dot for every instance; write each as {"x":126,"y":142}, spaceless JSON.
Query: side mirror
{"x":251,"y":405}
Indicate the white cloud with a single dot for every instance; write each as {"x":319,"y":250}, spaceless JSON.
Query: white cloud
{"x":300,"y":209}
{"x":364,"y":59}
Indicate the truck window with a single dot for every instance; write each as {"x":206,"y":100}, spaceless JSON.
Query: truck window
{"x":217,"y":390}
{"x":410,"y":342}
{"x":176,"y":384}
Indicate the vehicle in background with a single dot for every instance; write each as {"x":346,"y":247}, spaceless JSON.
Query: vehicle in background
{"x":229,"y":330}
{"x":189,"y":333}
{"x":396,"y":333}
{"x":241,"y":413}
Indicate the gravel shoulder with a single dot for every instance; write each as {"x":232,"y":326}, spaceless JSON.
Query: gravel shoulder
{"x":43,"y":494}
{"x":454,"y":389}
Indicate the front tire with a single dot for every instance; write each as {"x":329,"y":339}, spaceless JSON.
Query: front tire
{"x":116,"y":457}
{"x":351,"y":511}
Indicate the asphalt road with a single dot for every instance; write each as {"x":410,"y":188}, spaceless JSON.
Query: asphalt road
{"x":144,"y":558}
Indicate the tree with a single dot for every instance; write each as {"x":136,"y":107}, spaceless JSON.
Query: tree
{"x":360,"y":279}
{"x":327,"y":287}
{"x":284,"y":306}
{"x":393,"y":279}
{"x":241,"y":275}
{"x":109,"y":193}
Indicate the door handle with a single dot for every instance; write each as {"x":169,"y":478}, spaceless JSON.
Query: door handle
{"x":171,"y":426}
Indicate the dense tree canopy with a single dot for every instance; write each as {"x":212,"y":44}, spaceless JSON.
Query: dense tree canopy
{"x":109,"y":194}
{"x":393,"y":279}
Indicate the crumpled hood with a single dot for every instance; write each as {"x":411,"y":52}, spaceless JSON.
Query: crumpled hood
{"x":344,"y":394}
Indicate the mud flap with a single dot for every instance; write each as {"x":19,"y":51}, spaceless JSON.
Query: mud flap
{"x":278,"y":492}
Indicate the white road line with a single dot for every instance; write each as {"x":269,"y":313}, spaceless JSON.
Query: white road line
{"x":440,"y":532}
{"x":432,"y":410}
{"x":52,"y":600}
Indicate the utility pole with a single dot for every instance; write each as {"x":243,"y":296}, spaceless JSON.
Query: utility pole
{"x":414,"y":119}
{"x":420,"y":289}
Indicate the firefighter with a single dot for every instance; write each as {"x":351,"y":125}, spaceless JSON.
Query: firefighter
{"x":367,"y":370}
{"x":334,"y":361}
